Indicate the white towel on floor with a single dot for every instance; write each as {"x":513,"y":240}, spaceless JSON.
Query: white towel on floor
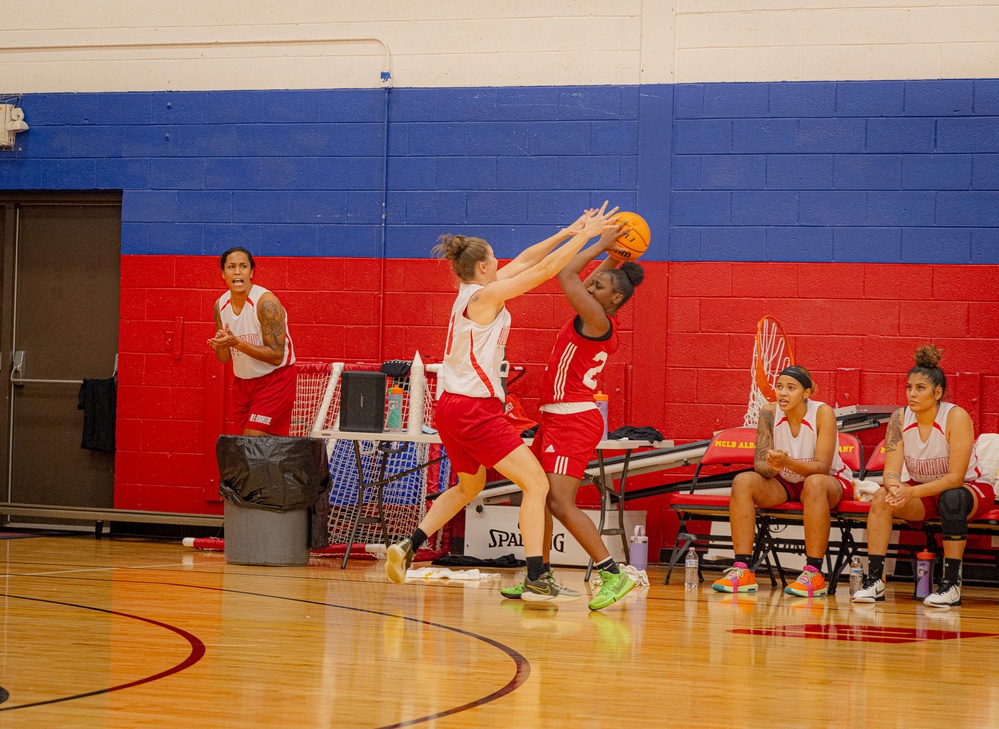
{"x":864,"y":490}
{"x":443,"y":573}
{"x":639,"y":577}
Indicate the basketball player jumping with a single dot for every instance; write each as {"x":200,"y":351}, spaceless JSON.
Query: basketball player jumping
{"x":571,"y":425}
{"x":470,"y":417}
{"x":252,"y":333}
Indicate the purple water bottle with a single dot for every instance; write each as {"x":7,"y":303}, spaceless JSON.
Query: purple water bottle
{"x":602,"y":402}
{"x":924,"y":574}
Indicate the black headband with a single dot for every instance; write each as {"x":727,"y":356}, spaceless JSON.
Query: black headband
{"x":799,"y":374}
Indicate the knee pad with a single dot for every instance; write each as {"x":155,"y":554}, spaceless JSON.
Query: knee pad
{"x":955,"y":506}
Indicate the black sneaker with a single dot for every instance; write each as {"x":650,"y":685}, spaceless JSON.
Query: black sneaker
{"x":398,"y":559}
{"x":947,"y":594}
{"x":545,"y":589}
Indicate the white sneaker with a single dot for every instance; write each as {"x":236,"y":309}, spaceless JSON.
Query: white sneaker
{"x":873,"y":590}
{"x":947,"y":594}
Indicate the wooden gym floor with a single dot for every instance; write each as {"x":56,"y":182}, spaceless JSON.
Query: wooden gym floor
{"x":133,"y":633}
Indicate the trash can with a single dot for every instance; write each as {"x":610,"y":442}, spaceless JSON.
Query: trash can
{"x":269,"y":485}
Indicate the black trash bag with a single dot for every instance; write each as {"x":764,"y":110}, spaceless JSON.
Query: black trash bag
{"x":272,"y":472}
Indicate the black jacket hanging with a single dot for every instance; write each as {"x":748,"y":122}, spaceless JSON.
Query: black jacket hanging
{"x":98,"y":401}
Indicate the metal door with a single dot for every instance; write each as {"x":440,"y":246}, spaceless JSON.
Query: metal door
{"x":61,"y":278}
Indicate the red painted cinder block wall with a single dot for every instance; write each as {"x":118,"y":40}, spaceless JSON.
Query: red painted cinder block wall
{"x":683,"y":365}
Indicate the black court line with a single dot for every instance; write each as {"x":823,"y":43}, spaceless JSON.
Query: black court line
{"x":196,"y":654}
{"x":521,"y":674}
{"x":523,"y":666}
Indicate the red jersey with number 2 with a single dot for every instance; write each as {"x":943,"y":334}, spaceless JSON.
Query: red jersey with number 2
{"x":576,"y":363}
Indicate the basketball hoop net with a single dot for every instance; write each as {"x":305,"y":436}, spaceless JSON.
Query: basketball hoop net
{"x":771,"y":354}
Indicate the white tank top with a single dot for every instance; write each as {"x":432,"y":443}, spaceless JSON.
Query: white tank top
{"x":802,"y":448}
{"x":929,"y":461}
{"x":246,"y":326}
{"x":474,"y":352}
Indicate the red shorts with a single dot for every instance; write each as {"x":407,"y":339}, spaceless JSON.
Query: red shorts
{"x":474,"y":431}
{"x":794,"y":489}
{"x":564,"y":444}
{"x":983,"y":491}
{"x":265,"y":403}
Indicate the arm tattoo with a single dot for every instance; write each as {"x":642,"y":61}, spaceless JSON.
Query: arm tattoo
{"x":218,"y":317}
{"x":893,"y":444}
{"x":272,"y":326}
{"x":764,"y":442}
{"x":893,"y":438}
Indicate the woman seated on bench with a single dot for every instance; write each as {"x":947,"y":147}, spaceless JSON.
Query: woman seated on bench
{"x":936,"y":442}
{"x":796,"y":459}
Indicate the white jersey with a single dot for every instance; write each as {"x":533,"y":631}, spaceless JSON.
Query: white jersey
{"x":474,"y":352}
{"x":246,"y":326}
{"x":802,"y":447}
{"x":929,"y":461}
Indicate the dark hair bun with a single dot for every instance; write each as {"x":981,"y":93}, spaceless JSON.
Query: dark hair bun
{"x":451,"y":246}
{"x":634,"y":272}
{"x":928,"y":355}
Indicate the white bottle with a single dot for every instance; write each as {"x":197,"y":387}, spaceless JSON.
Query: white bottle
{"x":856,"y":575}
{"x":691,"y":576}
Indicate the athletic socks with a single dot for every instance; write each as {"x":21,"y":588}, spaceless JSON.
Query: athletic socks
{"x":815,"y":562}
{"x":746,"y":559}
{"x":535,"y":567}
{"x":548,"y":566}
{"x":608,"y":565}
{"x":875,"y":566}
{"x":418,"y":539}
{"x":952,"y":571}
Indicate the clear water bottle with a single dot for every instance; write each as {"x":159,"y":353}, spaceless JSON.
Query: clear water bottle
{"x":856,"y":575}
{"x":691,"y":577}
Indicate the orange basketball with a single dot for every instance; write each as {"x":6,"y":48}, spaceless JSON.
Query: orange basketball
{"x":634,"y":242}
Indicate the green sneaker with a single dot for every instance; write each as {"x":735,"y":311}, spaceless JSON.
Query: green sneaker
{"x":614,"y":587}
{"x":545,"y":589}
{"x":514,"y":592}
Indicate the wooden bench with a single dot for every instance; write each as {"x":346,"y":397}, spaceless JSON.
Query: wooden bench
{"x":99,"y":516}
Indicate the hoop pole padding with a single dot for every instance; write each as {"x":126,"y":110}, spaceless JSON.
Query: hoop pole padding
{"x":317,"y":426}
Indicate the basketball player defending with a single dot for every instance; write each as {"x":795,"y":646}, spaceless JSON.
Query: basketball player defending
{"x":935,"y":441}
{"x":571,"y":426}
{"x":470,"y":417}
{"x":252,"y":333}
{"x":796,"y":459}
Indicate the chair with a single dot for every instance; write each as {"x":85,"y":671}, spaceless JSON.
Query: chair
{"x":732,"y":447}
{"x":877,"y":461}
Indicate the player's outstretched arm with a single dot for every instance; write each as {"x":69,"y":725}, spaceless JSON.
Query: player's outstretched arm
{"x":493,"y":295}
{"x":595,"y":322}
{"x":532,"y":255}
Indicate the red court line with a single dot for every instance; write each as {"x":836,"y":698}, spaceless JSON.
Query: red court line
{"x":860,"y":633}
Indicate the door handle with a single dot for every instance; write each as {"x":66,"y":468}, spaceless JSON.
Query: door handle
{"x":17,"y":365}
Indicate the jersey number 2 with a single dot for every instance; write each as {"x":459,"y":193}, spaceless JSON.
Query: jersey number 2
{"x":590,"y":378}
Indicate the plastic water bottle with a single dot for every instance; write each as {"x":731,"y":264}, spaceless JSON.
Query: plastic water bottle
{"x":856,"y":575}
{"x":691,"y":575}
{"x":924,"y":574}
{"x":393,"y":423}
{"x":602,"y":402}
